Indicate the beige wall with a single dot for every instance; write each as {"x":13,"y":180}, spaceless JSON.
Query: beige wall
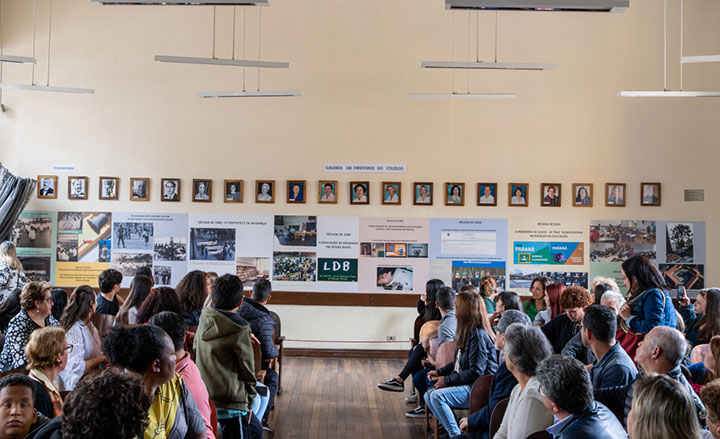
{"x":355,"y":62}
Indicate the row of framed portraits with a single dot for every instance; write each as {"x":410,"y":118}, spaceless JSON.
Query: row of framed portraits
{"x":423,"y":193}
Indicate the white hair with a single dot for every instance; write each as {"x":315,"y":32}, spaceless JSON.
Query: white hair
{"x":612,"y":296}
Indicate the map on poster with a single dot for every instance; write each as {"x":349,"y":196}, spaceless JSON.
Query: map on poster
{"x":34,"y":234}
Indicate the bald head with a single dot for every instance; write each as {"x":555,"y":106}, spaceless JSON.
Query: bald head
{"x":670,"y":341}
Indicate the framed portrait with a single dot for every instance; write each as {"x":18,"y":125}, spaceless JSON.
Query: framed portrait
{"x":550,"y":194}
{"x":47,"y":186}
{"x":615,"y":194}
{"x":454,"y":194}
{"x":582,"y":194}
{"x":422,"y":194}
{"x":518,"y":194}
{"x":391,"y":192}
{"x":487,"y":194}
{"x":109,"y":188}
{"x":202,"y":190}
{"x":650,"y":194}
{"x":359,"y":192}
{"x":170,"y":189}
{"x":327,"y":191}
{"x":140,"y":189}
{"x":264,"y":191}
{"x":77,"y":188}
{"x":233,"y":191}
{"x":296,"y":191}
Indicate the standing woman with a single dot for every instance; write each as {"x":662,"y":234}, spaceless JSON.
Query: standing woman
{"x":648,"y":304}
{"x":12,"y":275}
{"x":139,"y":290}
{"x":87,"y":353}
{"x":47,"y":353}
{"x":35,"y":313}
{"x":475,"y":357}
{"x":488,"y":288}
{"x":702,"y":321}
{"x":192,"y":291}
{"x":538,"y":288}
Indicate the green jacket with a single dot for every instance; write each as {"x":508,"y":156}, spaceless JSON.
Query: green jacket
{"x":224,"y":355}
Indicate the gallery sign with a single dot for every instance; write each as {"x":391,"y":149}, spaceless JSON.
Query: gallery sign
{"x":365,"y":168}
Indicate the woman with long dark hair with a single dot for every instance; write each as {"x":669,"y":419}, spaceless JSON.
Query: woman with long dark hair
{"x":192,"y":291}
{"x":648,"y":304}
{"x":702,"y":321}
{"x":139,"y":290}
{"x":538,"y":290}
{"x":160,"y":299}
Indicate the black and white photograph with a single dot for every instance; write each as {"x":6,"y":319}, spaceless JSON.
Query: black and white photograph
{"x":36,"y":268}
{"x":171,"y":249}
{"x":297,"y":267}
{"x":233,"y":191}
{"x":128,"y":263}
{"x":109,"y":188}
{"x":77,"y":188}
{"x":395,"y":278}
{"x":202,"y":190}
{"x":616,"y":241}
{"x":67,"y":248}
{"x":104,"y":250}
{"x":32,"y":232}
{"x":140,"y":189}
{"x":47,"y":186}
{"x":265,"y":191}
{"x":295,"y":231}
{"x":70,"y":221}
{"x":251,"y":270}
{"x":162,"y":274}
{"x":134,"y":236}
{"x":209,"y":244}
{"x":679,"y":240}
{"x":170,"y":189}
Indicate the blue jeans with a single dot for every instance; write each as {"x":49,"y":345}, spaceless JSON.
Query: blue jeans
{"x":422,"y":383}
{"x":439,"y":402}
{"x":260,"y":403}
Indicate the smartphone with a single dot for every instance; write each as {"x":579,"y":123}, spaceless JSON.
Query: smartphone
{"x":680,"y":291}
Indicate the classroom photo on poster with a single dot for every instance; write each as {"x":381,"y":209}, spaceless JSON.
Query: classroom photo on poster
{"x":616,"y":241}
{"x":472,"y":272}
{"x":522,"y":278}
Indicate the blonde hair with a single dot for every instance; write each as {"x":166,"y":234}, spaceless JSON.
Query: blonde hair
{"x":9,"y":256}
{"x":662,"y":409}
{"x":597,"y":280}
{"x":31,"y":292}
{"x":44,"y":346}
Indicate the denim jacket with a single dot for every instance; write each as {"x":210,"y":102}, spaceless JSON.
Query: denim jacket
{"x":653,"y":308}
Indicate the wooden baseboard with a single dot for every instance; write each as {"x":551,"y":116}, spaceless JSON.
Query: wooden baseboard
{"x":345,"y":353}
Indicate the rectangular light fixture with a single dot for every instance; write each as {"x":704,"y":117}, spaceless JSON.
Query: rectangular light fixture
{"x":669,"y":94}
{"x":541,"y":5}
{"x":485,"y":65}
{"x":46,"y":88}
{"x":249,"y":94}
{"x":461,"y":96}
{"x":700,"y":59}
{"x":222,"y":62}
{"x":17,"y":59}
{"x":185,"y":2}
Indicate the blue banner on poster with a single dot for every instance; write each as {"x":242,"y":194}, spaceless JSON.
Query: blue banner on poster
{"x":548,"y":253}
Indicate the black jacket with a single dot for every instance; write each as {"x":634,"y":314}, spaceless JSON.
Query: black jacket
{"x":43,"y":403}
{"x":262,"y":326}
{"x":478,"y":358}
{"x":51,"y":430}
{"x":595,"y":422}
{"x":559,"y":331}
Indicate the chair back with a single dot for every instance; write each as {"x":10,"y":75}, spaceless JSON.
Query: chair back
{"x":428,"y":328}
{"x":445,"y":354}
{"x":419,"y":321}
{"x":497,"y":416}
{"x":540,"y":435}
{"x":257,"y":353}
{"x":480,"y":393}
{"x":103,"y":323}
{"x":278,"y":327}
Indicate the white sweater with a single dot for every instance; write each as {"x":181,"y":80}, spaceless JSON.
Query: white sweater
{"x":525,"y":413}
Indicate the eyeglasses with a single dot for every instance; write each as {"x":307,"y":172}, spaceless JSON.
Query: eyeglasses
{"x":69,"y":348}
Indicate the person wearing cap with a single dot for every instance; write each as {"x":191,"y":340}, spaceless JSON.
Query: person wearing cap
{"x":477,"y":425}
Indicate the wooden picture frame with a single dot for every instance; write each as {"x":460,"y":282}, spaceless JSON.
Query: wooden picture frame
{"x":139,"y":189}
{"x":615,"y":194}
{"x":170,"y":189}
{"x":230,"y":196}
{"x":108,"y":188}
{"x":521,"y":200}
{"x":452,"y":199}
{"x":587,"y":200}
{"x":262,"y":195}
{"x":652,"y":197}
{"x":78,"y":188}
{"x":327,"y":197}
{"x":45,"y":191}
{"x":388,"y":198}
{"x":296,"y":198}
{"x":357,"y":197}
{"x":484,"y":199}
{"x":420,"y":199}
{"x":550,"y":194}
{"x":202,"y":190}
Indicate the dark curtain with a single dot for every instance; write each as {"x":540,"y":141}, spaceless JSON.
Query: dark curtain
{"x":15,"y":193}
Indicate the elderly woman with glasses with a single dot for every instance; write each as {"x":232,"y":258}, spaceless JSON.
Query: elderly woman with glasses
{"x":47,"y":353}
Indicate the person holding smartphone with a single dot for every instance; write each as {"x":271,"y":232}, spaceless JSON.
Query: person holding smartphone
{"x":701,"y":319}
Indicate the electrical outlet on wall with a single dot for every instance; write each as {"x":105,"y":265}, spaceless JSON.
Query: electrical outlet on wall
{"x":390,"y":338}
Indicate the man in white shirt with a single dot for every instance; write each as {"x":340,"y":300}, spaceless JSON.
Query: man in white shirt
{"x":487,"y":197}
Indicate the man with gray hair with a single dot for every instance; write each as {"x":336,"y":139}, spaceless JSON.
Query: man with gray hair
{"x":661,"y":352}
{"x":612,"y":300}
{"x":477,"y":424}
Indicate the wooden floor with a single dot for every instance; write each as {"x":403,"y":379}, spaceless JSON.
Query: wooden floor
{"x":339,"y":398}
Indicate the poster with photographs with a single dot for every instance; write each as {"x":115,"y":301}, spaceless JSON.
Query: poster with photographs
{"x":464,"y":250}
{"x":295,"y":251}
{"x":82,"y":249}
{"x":384,"y":263}
{"x":152,"y":239}
{"x":681,"y":250}
{"x":34,"y":236}
{"x":521,"y":278}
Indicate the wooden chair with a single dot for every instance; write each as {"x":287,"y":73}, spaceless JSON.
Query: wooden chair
{"x":279,"y":339}
{"x":540,"y":435}
{"x":103,"y":323}
{"x":497,"y":416}
{"x":445,"y":355}
{"x":480,"y":393}
{"x":257,"y":353}
{"x":419,"y":321}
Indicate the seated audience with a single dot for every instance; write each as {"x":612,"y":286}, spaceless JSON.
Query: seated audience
{"x":86,"y":352}
{"x":111,"y":404}
{"x":174,"y":326}
{"x":9,"y":309}
{"x":145,"y":270}
{"x":612,"y":300}
{"x":139,"y":290}
{"x":525,"y":349}
{"x":504,"y":301}
{"x":36,"y":304}
{"x":575,"y":347}
{"x":477,"y":424}
{"x":562,"y":328}
{"x":160,"y":299}
{"x":538,"y":290}
{"x":648,"y":304}
{"x":192,"y":291}
{"x":613,"y":366}
{"x":488,"y":289}
{"x":47,"y":353}
{"x":552,"y":304}
{"x":476,"y":356}
{"x":108,"y":301}
{"x":601,"y":285}
{"x":662,"y":409}
{"x":710,"y":396}
{"x":148,"y":351}
{"x":568,"y":393}
{"x":17,"y":414}
{"x":60,"y":299}
{"x":702,"y":320}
